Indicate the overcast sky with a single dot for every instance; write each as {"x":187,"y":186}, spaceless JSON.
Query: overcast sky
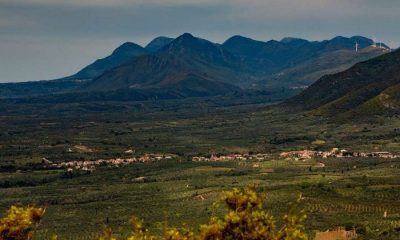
{"x":47,"y":39}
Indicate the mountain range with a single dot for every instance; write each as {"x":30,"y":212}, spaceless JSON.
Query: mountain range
{"x":294,"y":62}
{"x":190,"y":66}
{"x":189,"y":63}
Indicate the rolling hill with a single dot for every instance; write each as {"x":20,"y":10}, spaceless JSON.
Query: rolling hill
{"x":368,"y":88}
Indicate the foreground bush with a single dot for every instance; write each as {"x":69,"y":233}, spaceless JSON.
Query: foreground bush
{"x":245,"y":219}
{"x":19,"y":223}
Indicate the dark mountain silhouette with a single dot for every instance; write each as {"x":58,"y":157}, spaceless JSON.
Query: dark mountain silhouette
{"x":239,"y":62}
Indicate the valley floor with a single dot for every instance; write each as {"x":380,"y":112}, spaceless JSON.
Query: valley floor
{"x":352,"y":192}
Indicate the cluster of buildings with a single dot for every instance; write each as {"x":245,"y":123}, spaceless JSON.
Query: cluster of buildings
{"x":335,"y":153}
{"x":230,"y":157}
{"x":86,"y":165}
{"x":339,"y":233}
{"x":296,"y":155}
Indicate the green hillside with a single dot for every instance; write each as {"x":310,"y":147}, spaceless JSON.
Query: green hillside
{"x":361,"y":89}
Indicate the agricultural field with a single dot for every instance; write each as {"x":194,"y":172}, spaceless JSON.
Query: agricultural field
{"x":346,"y":192}
{"x":349,"y":192}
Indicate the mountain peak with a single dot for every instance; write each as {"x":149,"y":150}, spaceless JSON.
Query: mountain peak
{"x":120,"y":55}
{"x":360,"y":38}
{"x":186,"y":35}
{"x":291,"y":40}
{"x":188,"y":42}
{"x":354,"y":38}
{"x":341,"y":42}
{"x":243,"y":46}
{"x":185,"y":38}
{"x":127,"y":47}
{"x":158,"y":43}
{"x":237,"y":39}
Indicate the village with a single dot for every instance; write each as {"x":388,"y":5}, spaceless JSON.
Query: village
{"x":90,"y":166}
{"x":335,"y":153}
{"x":231,"y":157}
{"x":295,"y":155}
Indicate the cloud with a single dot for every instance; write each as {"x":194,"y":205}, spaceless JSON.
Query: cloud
{"x":107,"y":23}
{"x":107,"y":3}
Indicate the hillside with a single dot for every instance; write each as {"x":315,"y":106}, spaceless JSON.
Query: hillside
{"x":120,"y":55}
{"x":367,"y":88}
{"x":330,"y":62}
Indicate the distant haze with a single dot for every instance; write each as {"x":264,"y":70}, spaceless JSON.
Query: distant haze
{"x":47,"y":39}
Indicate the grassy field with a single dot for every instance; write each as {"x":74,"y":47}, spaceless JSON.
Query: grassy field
{"x":180,"y":192}
{"x":346,"y":192}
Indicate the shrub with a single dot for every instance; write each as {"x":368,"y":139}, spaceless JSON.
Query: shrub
{"x":19,"y":223}
{"x":245,"y":219}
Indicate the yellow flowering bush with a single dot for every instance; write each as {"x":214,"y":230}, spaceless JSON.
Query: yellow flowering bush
{"x":246,"y":219}
{"x":19,"y":223}
{"x":139,"y":231}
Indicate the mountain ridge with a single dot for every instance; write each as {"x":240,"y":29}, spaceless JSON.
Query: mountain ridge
{"x":186,"y":58}
{"x":120,"y":55}
{"x":240,"y":61}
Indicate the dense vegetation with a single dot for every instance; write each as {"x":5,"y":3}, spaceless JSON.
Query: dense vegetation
{"x":346,"y":192}
{"x":245,"y":218}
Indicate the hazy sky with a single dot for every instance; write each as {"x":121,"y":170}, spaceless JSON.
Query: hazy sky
{"x":46,"y":39}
